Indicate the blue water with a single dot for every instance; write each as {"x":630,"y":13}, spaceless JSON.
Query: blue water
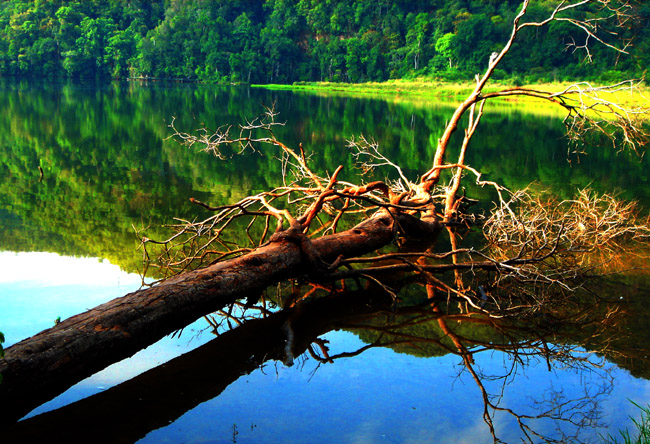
{"x":378,"y":396}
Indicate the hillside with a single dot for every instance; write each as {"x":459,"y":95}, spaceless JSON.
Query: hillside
{"x":283,"y":41}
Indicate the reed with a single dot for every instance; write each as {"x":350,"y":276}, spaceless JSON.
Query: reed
{"x":641,"y":432}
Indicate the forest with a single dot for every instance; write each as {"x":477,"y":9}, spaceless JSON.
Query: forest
{"x":287,"y":41}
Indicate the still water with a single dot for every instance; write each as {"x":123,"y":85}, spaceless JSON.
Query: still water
{"x":108,"y":168}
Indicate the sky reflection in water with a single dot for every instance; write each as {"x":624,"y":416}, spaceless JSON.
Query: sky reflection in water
{"x":380,"y":396}
{"x":37,"y":288}
{"x":30,"y":302}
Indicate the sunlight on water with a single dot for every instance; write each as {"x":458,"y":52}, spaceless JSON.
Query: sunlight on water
{"x":51,"y":269}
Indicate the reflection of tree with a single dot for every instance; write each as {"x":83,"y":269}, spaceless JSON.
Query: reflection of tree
{"x":528,"y":239}
{"x":127,"y":177}
{"x":251,"y":336}
{"x":578,"y":413}
{"x":427,"y":330}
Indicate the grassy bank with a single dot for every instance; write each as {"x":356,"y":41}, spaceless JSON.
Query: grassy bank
{"x":426,"y":88}
{"x":417,"y":87}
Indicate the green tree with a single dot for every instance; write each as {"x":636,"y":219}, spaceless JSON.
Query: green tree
{"x":474,"y":42}
{"x":356,"y":58}
{"x":341,"y":19}
{"x":278,"y":39}
{"x":66,"y":28}
{"x":445,"y":48}
{"x":245,"y":60}
{"x":89,"y":57}
{"x":317,"y":14}
{"x":288,"y":40}
{"x":43,"y":58}
{"x":334,"y":60}
{"x":121,"y":51}
{"x":416,"y":39}
{"x":375,"y":57}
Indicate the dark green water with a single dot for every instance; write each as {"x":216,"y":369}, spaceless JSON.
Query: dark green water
{"x":108,"y":167}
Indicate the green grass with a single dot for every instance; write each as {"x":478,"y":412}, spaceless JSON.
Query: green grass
{"x":639,"y":436}
{"x":430,"y":88}
{"x":418,"y":87}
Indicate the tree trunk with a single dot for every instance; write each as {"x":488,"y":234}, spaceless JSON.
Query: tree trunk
{"x":39,"y":368}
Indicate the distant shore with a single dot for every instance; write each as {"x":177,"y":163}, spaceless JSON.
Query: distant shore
{"x":434,"y":88}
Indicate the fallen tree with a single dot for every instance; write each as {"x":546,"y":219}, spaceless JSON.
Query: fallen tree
{"x":40,"y":367}
{"x":161,"y":395}
{"x":525,"y":242}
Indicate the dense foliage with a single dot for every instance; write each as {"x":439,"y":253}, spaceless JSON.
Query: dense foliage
{"x":283,"y":41}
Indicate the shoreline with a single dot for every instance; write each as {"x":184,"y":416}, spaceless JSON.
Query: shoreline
{"x":446,"y":90}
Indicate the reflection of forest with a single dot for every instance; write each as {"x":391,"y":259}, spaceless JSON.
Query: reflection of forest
{"x":108,"y":167}
{"x":629,"y":345}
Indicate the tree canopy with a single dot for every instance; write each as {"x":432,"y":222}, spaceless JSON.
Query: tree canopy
{"x":284,"y":41}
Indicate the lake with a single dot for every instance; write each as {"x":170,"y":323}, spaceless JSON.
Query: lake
{"x":369,"y":371}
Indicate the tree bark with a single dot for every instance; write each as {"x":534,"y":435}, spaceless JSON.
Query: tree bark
{"x":39,"y":368}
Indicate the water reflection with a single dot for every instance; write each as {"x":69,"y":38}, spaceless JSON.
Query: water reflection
{"x":470,"y":358}
{"x":107,"y":168}
{"x":37,"y":288}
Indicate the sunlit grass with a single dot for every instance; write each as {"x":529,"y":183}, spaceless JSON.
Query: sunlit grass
{"x":631,"y":98}
{"x":420,"y":87}
{"x":424,"y":90}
